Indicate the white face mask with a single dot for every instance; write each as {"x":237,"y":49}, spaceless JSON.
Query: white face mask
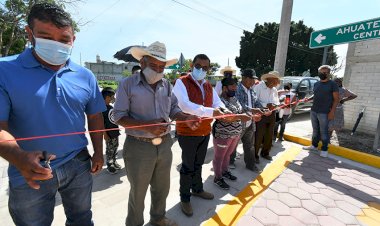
{"x":52,"y":52}
{"x":151,"y":76}
{"x":198,"y":74}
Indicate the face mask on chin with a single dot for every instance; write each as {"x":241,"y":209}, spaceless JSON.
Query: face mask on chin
{"x":198,"y":74}
{"x":152,"y":76}
{"x":52,"y":52}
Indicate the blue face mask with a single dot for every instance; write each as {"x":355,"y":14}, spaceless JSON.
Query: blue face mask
{"x":52,"y":52}
{"x":198,"y":74}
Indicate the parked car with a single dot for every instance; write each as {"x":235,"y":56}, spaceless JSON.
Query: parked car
{"x":303,"y":88}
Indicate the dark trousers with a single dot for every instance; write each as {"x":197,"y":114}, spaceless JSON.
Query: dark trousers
{"x":280,"y":123}
{"x":248,"y":139}
{"x":194,"y":151}
{"x":264,"y":134}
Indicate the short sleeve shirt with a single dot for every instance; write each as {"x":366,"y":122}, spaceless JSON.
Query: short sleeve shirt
{"x":37,"y":101}
{"x":323,"y":96}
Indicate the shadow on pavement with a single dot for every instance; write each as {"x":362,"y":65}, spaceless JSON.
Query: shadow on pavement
{"x":105,"y":180}
{"x":339,"y":178}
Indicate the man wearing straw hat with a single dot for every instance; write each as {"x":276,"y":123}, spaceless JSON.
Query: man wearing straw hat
{"x":268,"y":98}
{"x":145,"y":102}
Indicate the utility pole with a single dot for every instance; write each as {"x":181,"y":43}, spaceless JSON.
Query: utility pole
{"x":283,"y":37}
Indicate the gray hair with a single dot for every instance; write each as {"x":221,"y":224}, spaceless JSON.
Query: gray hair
{"x":325,"y":66}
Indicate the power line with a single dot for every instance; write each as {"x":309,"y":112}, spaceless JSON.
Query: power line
{"x":102,"y":12}
{"x":236,"y":26}
{"x":218,"y":19}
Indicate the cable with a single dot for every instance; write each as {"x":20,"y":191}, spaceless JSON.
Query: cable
{"x":101,"y":13}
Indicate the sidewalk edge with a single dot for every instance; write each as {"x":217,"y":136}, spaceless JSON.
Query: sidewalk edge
{"x":357,"y":156}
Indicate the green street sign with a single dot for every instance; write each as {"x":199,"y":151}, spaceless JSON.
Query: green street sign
{"x":359,"y":31}
{"x":174,"y":66}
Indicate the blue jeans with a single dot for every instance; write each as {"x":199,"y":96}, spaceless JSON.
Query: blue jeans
{"x":72,"y":180}
{"x":320,"y":124}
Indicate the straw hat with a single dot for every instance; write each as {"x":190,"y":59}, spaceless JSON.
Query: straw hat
{"x":271,"y":74}
{"x":156,"y":50}
{"x":227,"y":68}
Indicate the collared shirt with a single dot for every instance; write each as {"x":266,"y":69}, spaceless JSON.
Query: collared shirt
{"x":189,"y":107}
{"x":247,"y":99}
{"x":135,"y":98}
{"x":265,"y":95}
{"x":37,"y":101}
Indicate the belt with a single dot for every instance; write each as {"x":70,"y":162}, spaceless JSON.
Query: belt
{"x":154,"y":141}
{"x":83,"y":155}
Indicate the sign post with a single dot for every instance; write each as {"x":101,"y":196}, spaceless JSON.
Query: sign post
{"x":359,"y":31}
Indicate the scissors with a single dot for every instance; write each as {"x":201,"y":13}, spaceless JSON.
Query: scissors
{"x":46,"y":160}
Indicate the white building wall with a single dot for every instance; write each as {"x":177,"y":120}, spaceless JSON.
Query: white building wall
{"x":362,"y":76}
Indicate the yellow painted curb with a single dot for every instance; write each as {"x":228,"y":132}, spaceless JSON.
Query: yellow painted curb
{"x":357,"y":156}
{"x":371,"y":214}
{"x":239,"y":205}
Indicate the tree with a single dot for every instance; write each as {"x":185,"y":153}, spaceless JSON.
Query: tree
{"x":258,"y":50}
{"x":13,"y":15}
{"x":174,"y":74}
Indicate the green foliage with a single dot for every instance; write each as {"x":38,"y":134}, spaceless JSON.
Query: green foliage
{"x":127,"y":73}
{"x":174,"y":74}
{"x":258,"y":50}
{"x":112,"y":84}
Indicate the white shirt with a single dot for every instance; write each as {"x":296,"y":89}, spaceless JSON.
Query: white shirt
{"x":192,"y":108}
{"x":266,"y":95}
{"x":287,"y":111}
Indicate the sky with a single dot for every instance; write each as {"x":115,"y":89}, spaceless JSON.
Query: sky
{"x":213,"y":27}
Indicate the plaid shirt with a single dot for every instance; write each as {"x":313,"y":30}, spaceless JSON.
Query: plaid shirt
{"x":242,"y":96}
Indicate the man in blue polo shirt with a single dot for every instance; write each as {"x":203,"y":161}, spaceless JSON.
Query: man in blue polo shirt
{"x":43,"y":92}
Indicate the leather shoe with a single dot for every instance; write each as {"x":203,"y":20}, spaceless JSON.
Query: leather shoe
{"x":187,"y":209}
{"x":254,"y":168}
{"x":268,"y":157}
{"x":203,"y":195}
{"x":163,"y":222}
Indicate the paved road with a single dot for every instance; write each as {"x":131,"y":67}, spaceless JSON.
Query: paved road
{"x":295,"y":196}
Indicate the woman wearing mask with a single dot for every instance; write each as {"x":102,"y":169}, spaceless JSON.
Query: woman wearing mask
{"x":227,"y":133}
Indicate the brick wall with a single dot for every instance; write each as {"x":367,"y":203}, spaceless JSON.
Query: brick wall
{"x":362,"y":76}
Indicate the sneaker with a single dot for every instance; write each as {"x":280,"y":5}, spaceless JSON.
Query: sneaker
{"x":232,"y":166}
{"x":111,"y":169}
{"x":221,"y":183}
{"x":228,"y":175}
{"x":116,"y":165}
{"x":324,"y":154}
{"x":310,"y":148}
{"x":163,"y":222}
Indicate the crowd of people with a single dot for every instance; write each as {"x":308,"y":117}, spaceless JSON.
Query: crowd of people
{"x":43,"y":84}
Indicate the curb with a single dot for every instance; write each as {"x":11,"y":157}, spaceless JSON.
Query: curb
{"x":231,"y":212}
{"x":357,"y":156}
